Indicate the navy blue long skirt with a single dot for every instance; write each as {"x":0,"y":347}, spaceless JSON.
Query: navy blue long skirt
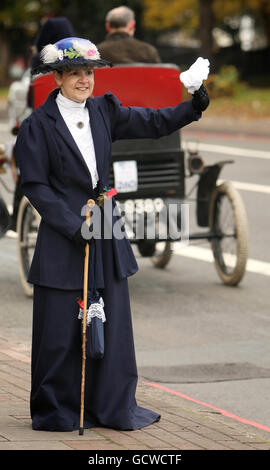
{"x":110,"y":383}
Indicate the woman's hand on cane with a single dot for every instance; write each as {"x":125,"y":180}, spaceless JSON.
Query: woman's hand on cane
{"x":80,"y":240}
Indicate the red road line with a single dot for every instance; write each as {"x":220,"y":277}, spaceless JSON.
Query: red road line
{"x":223,"y":412}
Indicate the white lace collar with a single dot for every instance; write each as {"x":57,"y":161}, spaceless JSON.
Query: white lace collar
{"x":68,"y":104}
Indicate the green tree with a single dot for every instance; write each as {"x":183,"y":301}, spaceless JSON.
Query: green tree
{"x":21,"y":19}
{"x":18,"y":25}
{"x":200,"y":16}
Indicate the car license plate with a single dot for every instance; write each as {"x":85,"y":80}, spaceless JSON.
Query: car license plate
{"x":125,"y":176}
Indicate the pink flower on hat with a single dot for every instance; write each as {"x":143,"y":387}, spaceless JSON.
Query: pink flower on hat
{"x":91,"y":52}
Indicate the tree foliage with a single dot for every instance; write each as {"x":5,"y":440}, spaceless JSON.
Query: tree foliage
{"x":20,"y":21}
{"x":184,"y":14}
{"x":87,"y":16}
{"x":19,"y":13}
{"x":162,"y":15}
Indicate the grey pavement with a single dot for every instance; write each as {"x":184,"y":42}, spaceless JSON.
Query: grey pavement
{"x":225,"y":124}
{"x":185,"y":424}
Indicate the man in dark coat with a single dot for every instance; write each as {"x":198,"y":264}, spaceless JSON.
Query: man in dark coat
{"x":120,"y":46}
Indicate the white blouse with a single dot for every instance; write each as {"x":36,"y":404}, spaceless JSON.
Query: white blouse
{"x":73,"y":114}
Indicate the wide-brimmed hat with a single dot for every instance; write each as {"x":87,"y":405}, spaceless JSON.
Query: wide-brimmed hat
{"x":69,"y":53}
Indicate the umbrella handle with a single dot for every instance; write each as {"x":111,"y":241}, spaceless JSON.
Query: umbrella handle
{"x":90,"y":205}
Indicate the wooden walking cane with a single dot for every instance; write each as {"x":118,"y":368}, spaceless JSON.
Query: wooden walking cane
{"x":90,"y":205}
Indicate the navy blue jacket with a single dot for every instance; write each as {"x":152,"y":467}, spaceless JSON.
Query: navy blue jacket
{"x":56,"y":180}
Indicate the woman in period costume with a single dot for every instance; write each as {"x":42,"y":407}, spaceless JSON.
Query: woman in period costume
{"x":63,"y":150}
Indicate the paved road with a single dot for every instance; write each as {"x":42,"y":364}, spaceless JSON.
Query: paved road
{"x":192,"y":333}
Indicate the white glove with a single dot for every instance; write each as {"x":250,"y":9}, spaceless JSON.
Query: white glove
{"x":193,"y":77}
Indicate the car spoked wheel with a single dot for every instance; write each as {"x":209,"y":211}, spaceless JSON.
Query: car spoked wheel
{"x":229,"y":227}
{"x":27,"y":227}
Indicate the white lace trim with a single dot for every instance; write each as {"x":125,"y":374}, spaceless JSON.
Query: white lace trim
{"x":95,"y":310}
{"x":72,"y":113}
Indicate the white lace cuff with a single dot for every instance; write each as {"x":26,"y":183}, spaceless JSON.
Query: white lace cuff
{"x":95,"y":310}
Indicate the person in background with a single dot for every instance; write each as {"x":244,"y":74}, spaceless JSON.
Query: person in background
{"x":120,"y":46}
{"x":51,"y":31}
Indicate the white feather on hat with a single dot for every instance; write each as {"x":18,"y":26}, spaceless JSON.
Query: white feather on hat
{"x":49,"y":54}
